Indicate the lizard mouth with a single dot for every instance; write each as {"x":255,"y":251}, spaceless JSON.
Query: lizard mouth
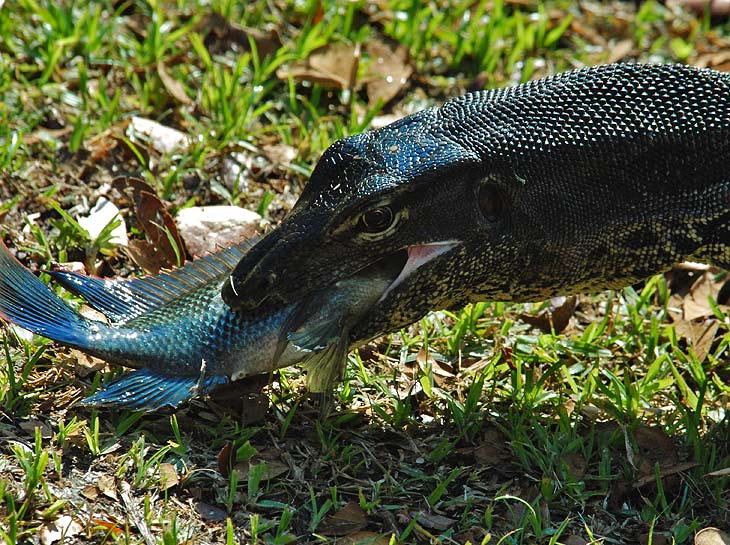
{"x":418,"y":255}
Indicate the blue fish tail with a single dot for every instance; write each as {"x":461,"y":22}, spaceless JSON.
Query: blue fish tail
{"x":147,"y":390}
{"x":29,"y":303}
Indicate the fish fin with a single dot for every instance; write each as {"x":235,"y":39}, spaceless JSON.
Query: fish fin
{"x":326,"y":366}
{"x":122,"y":300}
{"x":29,"y":303}
{"x":147,"y":390}
{"x":318,"y":334}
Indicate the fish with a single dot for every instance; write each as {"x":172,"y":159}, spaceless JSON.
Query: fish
{"x":179,"y":335}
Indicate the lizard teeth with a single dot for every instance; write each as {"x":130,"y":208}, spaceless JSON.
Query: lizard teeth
{"x":419,"y":255}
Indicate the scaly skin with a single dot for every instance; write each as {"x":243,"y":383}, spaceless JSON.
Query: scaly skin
{"x":588,"y":180}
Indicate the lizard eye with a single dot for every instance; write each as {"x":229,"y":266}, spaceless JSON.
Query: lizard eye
{"x":376,"y":220}
{"x":490,"y":202}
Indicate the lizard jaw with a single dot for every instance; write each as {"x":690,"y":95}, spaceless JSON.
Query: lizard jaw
{"x":419,"y":255}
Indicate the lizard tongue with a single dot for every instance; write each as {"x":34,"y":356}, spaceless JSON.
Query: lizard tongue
{"x":419,"y":255}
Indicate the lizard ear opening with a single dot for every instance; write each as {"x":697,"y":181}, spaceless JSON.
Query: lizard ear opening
{"x":490,"y":200}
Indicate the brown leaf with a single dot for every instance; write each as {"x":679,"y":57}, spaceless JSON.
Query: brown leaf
{"x":29,"y":426}
{"x":271,"y":469}
{"x":364,"y":538}
{"x":173,"y":86}
{"x":718,"y":8}
{"x":224,"y":35}
{"x":493,"y":450}
{"x":656,"y":539}
{"x":573,"y":540}
{"x":168,"y":476}
{"x":84,"y":364}
{"x":62,"y":529}
{"x":620,"y":50}
{"x":280,"y":154}
{"x":433,"y":521}
{"x":655,"y":445}
{"x":90,"y":492}
{"x":724,"y":472}
{"x":225,"y":460}
{"x":158,"y":225}
{"x":556,"y":317}
{"x":388,"y":72}
{"x":576,"y":464}
{"x":334,"y":65}
{"x":712,"y":536}
{"x":107,"y":486}
{"x":665,"y":472}
{"x":348,"y":520}
{"x":210,"y":513}
{"x":696,"y":303}
{"x":700,"y":335}
{"x":244,"y":398}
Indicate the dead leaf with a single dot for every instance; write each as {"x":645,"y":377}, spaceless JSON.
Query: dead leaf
{"x":168,"y":476}
{"x":696,"y":303}
{"x":90,"y":492}
{"x":173,"y":86}
{"x":556,"y":317}
{"x":223,"y":35}
{"x":29,"y":426}
{"x":388,"y":72}
{"x":712,"y":536}
{"x":576,"y":464}
{"x":664,"y":472}
{"x":271,"y":469}
{"x":493,"y":450}
{"x":364,"y":538}
{"x":724,"y":472}
{"x":107,"y":486}
{"x":334,"y":65}
{"x":351,"y":518}
{"x":84,"y":365}
{"x":280,"y":154}
{"x":63,"y":528}
{"x":620,"y":50}
{"x":244,"y":398}
{"x":225,"y":460}
{"x":718,"y":8}
{"x":163,"y":238}
{"x":656,"y":539}
{"x":210,"y":513}
{"x":656,"y":446}
{"x":712,"y":59}
{"x":433,"y":520}
{"x":573,"y":540}
{"x":699,"y":335}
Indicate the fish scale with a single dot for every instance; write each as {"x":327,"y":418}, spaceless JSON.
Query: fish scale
{"x":180,"y":335}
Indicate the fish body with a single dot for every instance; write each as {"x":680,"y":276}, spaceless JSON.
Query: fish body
{"x":177,"y":331}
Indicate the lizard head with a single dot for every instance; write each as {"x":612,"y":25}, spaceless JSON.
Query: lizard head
{"x":397,"y":192}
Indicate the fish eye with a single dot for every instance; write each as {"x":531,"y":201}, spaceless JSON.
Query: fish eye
{"x":376,"y":220}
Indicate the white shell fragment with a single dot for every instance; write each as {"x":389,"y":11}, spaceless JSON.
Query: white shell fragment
{"x":208,"y":228}
{"x":103,"y":212}
{"x":162,"y":138}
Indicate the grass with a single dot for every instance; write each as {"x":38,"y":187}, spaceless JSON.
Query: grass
{"x":471,"y":426}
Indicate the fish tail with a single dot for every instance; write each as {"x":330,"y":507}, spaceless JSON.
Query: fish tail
{"x":29,"y":303}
